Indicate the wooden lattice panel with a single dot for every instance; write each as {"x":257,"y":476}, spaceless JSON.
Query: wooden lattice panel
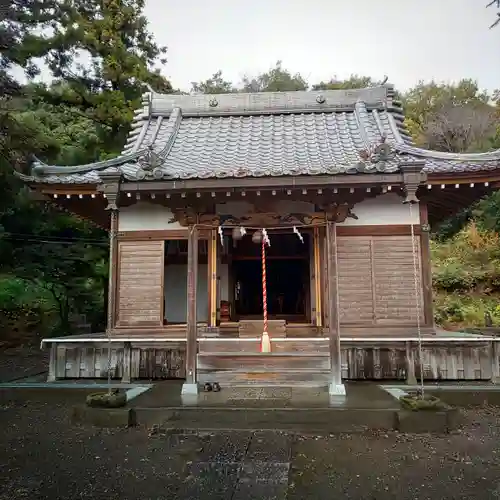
{"x":354,"y":267}
{"x":376,"y":280}
{"x":140,"y":283}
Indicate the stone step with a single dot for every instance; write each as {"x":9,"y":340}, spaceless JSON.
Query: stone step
{"x":306,"y":419}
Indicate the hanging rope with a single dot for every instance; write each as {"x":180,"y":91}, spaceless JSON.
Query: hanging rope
{"x":416,"y":273}
{"x":109,"y":319}
{"x":264,"y":283}
{"x":255,"y":228}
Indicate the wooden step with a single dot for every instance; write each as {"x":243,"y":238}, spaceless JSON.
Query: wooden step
{"x":294,"y":330}
{"x":293,"y":378}
{"x":277,"y":346}
{"x":254,"y":328}
{"x":260,"y":361}
{"x":229,"y":329}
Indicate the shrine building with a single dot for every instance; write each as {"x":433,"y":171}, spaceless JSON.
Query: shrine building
{"x":345,"y":201}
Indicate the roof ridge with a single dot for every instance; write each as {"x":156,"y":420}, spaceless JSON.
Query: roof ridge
{"x":306,"y":101}
{"x":442,"y":155}
{"x":139,"y":125}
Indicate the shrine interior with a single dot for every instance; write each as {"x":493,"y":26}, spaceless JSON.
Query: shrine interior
{"x":287,"y":273}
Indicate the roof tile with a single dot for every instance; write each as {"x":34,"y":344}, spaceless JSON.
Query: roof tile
{"x":267,"y":134}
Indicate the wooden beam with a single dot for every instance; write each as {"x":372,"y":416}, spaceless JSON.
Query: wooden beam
{"x":372,"y":230}
{"x":167,"y":234}
{"x":190,"y":386}
{"x":71,"y":189}
{"x":256,"y":183}
{"x":463,"y":177}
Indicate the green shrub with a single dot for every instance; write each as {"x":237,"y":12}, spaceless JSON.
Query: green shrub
{"x":466,"y":279}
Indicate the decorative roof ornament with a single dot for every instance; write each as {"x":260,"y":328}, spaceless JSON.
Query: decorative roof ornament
{"x":213,"y":103}
{"x":148,"y":86}
{"x":321,"y":99}
{"x":149,"y":160}
{"x":376,"y":153}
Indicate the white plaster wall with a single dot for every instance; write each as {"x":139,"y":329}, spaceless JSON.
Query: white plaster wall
{"x":176,"y":293}
{"x":145,"y":216}
{"x":384,"y":210}
{"x":239,"y":208}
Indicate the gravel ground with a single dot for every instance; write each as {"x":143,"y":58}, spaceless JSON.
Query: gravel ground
{"x":20,"y":362}
{"x":43,"y":456}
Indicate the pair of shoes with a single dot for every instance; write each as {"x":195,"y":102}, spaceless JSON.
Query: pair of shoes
{"x":208,"y":387}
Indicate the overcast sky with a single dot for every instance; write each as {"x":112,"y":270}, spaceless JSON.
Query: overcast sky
{"x":408,"y":40}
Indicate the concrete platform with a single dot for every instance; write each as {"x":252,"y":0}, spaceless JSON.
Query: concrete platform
{"x":360,"y":395}
{"x":365,"y":406}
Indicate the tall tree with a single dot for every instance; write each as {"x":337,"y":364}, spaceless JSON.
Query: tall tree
{"x":119,"y":57}
{"x":495,"y":3}
{"x":216,"y":84}
{"x":435,"y":114}
{"x":353,"y":82}
{"x":460,"y":129}
{"x":277,"y":79}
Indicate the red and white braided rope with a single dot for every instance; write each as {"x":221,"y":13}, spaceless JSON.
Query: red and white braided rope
{"x":264,"y":284}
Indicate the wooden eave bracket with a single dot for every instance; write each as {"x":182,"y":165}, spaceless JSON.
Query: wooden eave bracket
{"x":413,"y":177}
{"x":110,"y":187}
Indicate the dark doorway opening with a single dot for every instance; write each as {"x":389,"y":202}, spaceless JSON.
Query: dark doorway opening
{"x":288,"y":279}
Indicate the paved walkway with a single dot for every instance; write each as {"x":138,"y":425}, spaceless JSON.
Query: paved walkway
{"x":45,"y":457}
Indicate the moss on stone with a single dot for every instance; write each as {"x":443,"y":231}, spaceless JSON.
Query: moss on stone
{"x":114,"y":399}
{"x":415,"y":402}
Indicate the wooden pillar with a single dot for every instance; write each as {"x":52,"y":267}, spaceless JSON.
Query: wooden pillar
{"x":191,"y":384}
{"x":127,"y":363}
{"x":411,"y":379}
{"x":324,"y":282}
{"x":336,"y":387}
{"x":212,"y":278}
{"x":113,"y":270}
{"x":110,"y":188}
{"x":426,"y":266}
{"x":318,"y":320}
{"x":52,"y":375}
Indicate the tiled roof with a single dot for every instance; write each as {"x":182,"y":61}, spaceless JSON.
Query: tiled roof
{"x":267,"y":134}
